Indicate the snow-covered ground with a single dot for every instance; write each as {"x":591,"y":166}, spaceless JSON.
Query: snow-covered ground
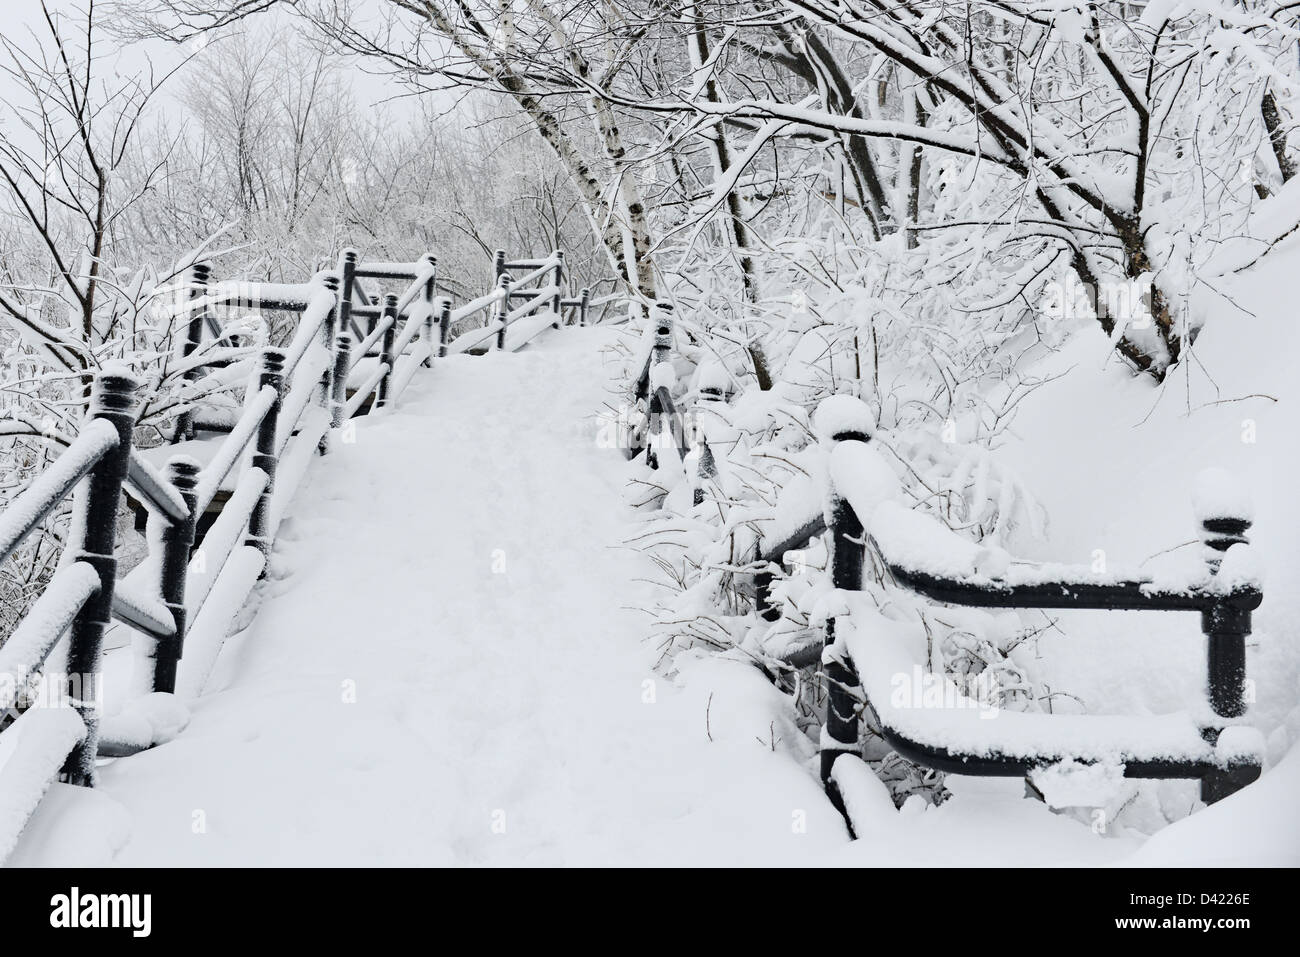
{"x":447,"y":667}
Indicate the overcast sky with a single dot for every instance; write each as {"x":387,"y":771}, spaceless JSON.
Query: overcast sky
{"x":24,"y":24}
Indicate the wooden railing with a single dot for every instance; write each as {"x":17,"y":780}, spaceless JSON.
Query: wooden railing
{"x":860,"y":675}
{"x":213,"y":524}
{"x":1187,"y":745}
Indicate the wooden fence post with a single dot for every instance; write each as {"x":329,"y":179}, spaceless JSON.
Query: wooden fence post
{"x":347,"y":278}
{"x":559,"y":278}
{"x":840,"y":734}
{"x":712,"y":384}
{"x":1226,"y":626}
{"x":199,"y":275}
{"x":584,"y":300}
{"x":386,"y":356}
{"x":660,"y":352}
{"x":177,"y":539}
{"x":430,"y":291}
{"x":444,"y":326}
{"x":112,"y":399}
{"x":270,"y":373}
{"x":339,"y":396}
{"x":328,"y":335}
{"x":498,"y":266}
{"x":504,"y":314}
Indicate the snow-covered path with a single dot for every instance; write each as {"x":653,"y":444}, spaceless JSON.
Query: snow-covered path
{"x":444,"y":669}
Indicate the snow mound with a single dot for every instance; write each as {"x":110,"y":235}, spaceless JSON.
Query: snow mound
{"x":838,"y":414}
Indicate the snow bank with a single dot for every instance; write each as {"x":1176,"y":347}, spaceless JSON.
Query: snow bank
{"x":32,"y":750}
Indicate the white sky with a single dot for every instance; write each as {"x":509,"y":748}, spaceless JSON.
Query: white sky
{"x":24,"y":24}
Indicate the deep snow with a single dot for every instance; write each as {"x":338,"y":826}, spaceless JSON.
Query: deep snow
{"x":446,"y":667}
{"x":458,"y":570}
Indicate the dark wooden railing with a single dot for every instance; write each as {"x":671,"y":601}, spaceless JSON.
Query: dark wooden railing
{"x":351,"y":352}
{"x":1224,"y":612}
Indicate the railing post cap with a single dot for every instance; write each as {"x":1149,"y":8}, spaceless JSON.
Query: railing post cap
{"x":390,"y":301}
{"x":183,"y":470}
{"x":329,"y":279}
{"x":842,"y":417}
{"x":272,"y":359}
{"x":350,"y":255}
{"x":114,"y":389}
{"x":1219,"y":497}
{"x":712,"y":377}
{"x":201,"y":271}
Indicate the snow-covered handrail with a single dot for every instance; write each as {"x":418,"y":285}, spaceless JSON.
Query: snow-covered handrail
{"x":532,"y":304}
{"x":363,"y":392}
{"x":477,"y":305}
{"x":545,"y":266}
{"x":40,"y":630}
{"x":80,"y":595}
{"x":154,"y":489}
{"x":235,"y":444}
{"x":862,"y":505}
{"x":186,"y":594}
{"x":52,"y":486}
{"x":381,"y":327}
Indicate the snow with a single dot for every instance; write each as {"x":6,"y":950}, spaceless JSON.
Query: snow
{"x":1239,"y":569}
{"x":27,"y":648}
{"x":713,"y":375}
{"x":81,"y":827}
{"x":133,"y":603}
{"x":407,"y":365}
{"x":837,"y":414}
{"x":662,"y":376}
{"x":520,"y":332}
{"x":32,"y":750}
{"x":232,"y":448}
{"x":364,"y":389}
{"x":1219,"y":494}
{"x":1072,"y":784}
{"x":464,"y":676}
{"x":155,"y":490}
{"x":474,"y":305}
{"x":535,"y":301}
{"x":222,"y":538}
{"x":885,"y":651}
{"x":866,"y":798}
{"x":145,"y":721}
{"x":415,"y":702}
{"x":209,"y":629}
{"x":26,"y":509}
{"x":1256,"y":827}
{"x":914,"y":541}
{"x":802,"y":500}
{"x":860,"y":476}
